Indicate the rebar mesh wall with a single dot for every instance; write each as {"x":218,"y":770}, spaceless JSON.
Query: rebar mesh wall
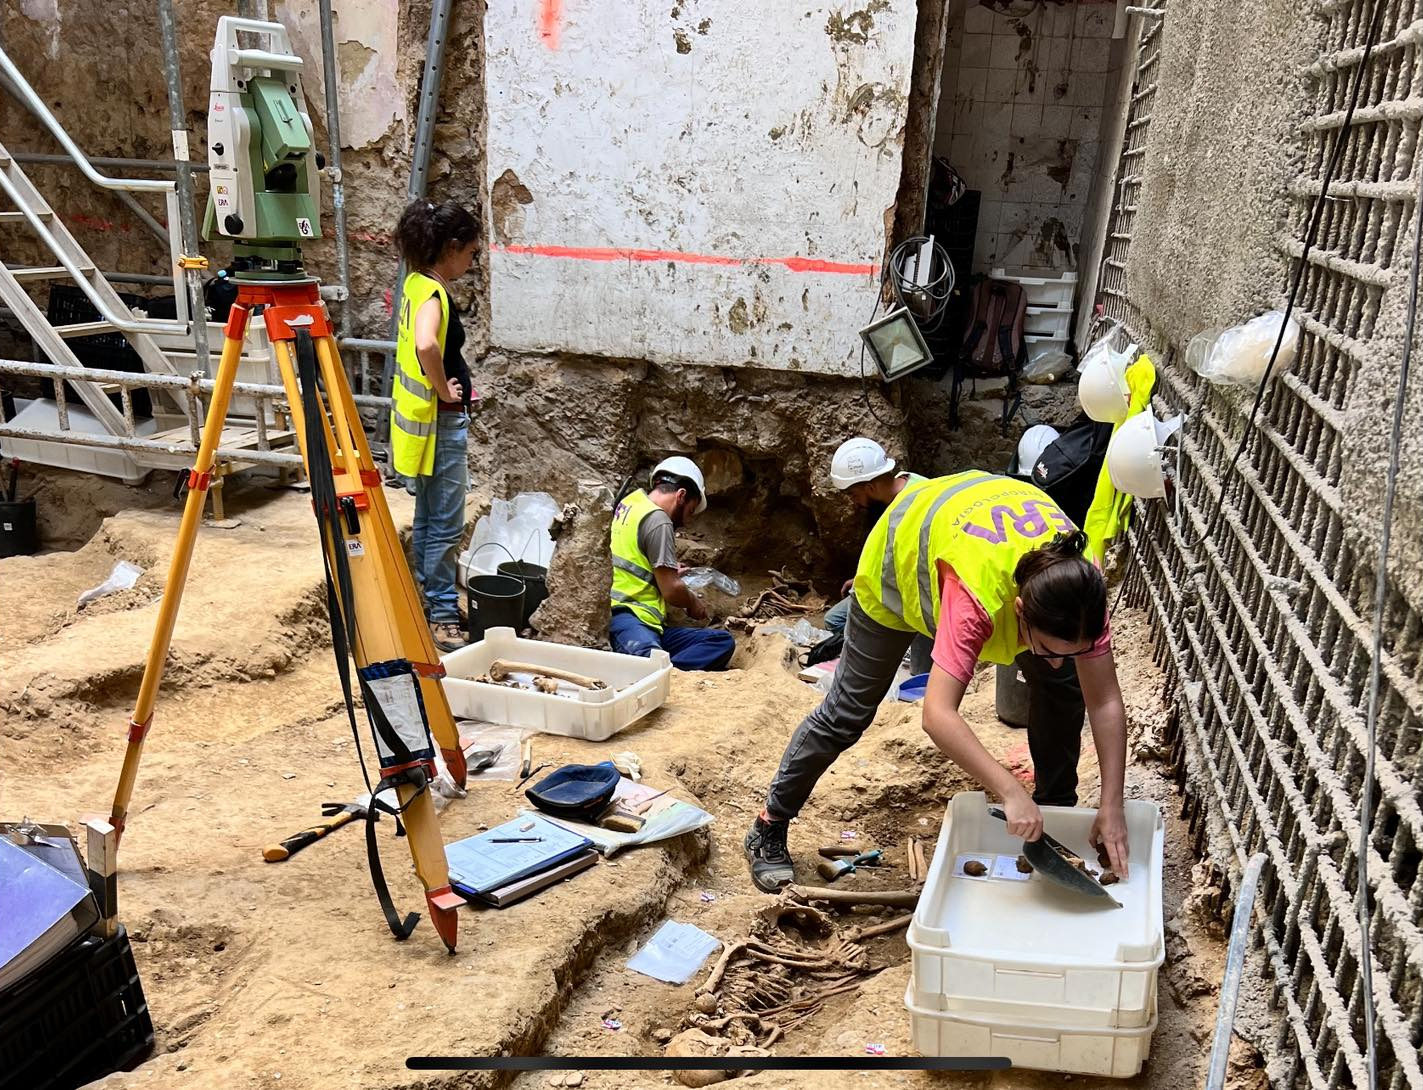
{"x":1265,"y":623}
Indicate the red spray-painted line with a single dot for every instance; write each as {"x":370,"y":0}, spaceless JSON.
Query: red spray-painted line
{"x":612,"y":253}
{"x":550,"y":22}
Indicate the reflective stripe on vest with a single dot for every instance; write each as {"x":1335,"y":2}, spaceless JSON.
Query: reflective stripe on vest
{"x":978,"y":524}
{"x":634,"y":580}
{"x":412,"y":418}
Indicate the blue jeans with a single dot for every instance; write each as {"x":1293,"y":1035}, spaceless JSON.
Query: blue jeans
{"x":439,"y":518}
{"x":836,"y":615}
{"x":690,"y":648}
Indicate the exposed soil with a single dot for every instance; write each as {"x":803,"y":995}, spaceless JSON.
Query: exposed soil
{"x":256,"y":971}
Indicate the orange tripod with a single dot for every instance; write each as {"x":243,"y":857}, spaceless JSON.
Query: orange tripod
{"x":376,"y":610}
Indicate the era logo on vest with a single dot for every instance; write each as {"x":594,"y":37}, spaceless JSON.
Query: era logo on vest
{"x":1032,"y":519}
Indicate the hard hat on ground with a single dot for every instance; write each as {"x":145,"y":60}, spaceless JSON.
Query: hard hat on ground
{"x":1031,"y":446}
{"x":1134,"y":456}
{"x":1102,"y":387}
{"x":858,"y":460}
{"x":687,"y":470}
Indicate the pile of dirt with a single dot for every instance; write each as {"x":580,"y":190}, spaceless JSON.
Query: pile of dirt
{"x":255,"y":970}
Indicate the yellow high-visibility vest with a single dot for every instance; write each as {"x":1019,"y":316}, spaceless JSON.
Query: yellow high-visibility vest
{"x":634,"y":580}
{"x":979,"y":524}
{"x":412,"y":417}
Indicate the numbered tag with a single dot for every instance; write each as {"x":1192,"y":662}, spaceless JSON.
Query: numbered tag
{"x":354,"y":547}
{"x":303,"y":227}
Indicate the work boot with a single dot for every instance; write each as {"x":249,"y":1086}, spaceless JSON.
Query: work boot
{"x":771,"y":866}
{"x":448,"y":636}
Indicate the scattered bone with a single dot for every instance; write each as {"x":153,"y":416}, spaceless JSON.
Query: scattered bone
{"x":500,"y":669}
{"x":545,"y":685}
{"x":706,"y":1003}
{"x":1109,"y":878}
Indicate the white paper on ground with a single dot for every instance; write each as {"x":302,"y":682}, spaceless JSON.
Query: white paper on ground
{"x":675,"y":953}
{"x":123,"y":577}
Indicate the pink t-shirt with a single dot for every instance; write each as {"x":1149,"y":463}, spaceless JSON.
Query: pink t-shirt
{"x":964,"y":627}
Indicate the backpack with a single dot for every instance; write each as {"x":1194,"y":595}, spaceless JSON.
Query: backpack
{"x":993,"y":345}
{"x":1068,"y":468}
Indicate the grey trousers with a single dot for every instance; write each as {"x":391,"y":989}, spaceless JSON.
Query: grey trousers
{"x":866,"y":670}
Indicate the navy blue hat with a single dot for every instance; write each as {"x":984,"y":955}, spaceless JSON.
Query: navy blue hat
{"x":579,"y":792}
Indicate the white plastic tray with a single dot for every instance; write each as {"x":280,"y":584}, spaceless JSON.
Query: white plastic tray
{"x":1116,"y":1053}
{"x":1052,"y":322}
{"x":636,"y":686}
{"x":1043,"y":291}
{"x":1029,"y":951}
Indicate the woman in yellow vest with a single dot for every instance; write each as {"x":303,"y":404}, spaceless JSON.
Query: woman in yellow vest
{"x":992,"y":570}
{"x":429,"y":423}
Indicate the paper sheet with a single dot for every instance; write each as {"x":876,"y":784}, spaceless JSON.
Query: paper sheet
{"x":675,"y":953}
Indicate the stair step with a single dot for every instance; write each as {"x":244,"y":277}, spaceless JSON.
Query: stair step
{"x":46,"y":272}
{"x":84,"y":329}
{"x":19,"y":217}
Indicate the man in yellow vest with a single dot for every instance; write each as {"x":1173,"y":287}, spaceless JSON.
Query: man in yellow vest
{"x":647,"y":577}
{"x":992,"y":570}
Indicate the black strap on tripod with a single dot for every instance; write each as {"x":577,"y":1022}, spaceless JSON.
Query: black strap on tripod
{"x":340,"y":607}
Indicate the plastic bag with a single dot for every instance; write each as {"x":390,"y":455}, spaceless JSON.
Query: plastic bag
{"x":802,"y":633}
{"x":1240,"y":355}
{"x":514,"y":529}
{"x":1045,"y":366}
{"x":699,"y":579}
{"x":123,"y":577}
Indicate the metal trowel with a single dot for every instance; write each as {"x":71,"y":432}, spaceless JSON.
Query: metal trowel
{"x":1043,"y":855}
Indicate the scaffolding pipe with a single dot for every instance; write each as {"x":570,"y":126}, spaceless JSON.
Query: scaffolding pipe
{"x":333,"y":163}
{"x":140,"y":446}
{"x":187,"y":225}
{"x":45,"y":158}
{"x":1234,"y":970}
{"x":419,"y":164}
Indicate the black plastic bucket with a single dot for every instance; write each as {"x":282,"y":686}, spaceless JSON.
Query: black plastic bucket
{"x":1010,"y":696}
{"x":19,"y":528}
{"x":535,"y":580}
{"x":495,"y":601}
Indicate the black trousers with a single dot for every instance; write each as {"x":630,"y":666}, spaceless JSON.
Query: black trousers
{"x":1056,"y":713}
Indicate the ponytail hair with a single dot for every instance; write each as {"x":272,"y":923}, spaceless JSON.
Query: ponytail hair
{"x":1063,"y":593}
{"x":426,"y":230}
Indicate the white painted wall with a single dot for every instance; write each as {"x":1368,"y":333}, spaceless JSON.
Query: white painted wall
{"x":733,"y":132}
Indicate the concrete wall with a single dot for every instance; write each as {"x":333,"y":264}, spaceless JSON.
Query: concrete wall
{"x":702,"y":183}
{"x":1019,"y":119}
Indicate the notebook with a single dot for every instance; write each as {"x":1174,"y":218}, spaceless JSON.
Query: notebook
{"x":505,"y":896}
{"x":479,"y":865}
{"x":42,"y":910}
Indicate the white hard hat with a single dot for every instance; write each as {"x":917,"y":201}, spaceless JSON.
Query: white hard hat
{"x":1103,"y":388}
{"x":858,"y":460}
{"x":677,"y":466}
{"x":1134,"y":458}
{"x":1031,"y":446}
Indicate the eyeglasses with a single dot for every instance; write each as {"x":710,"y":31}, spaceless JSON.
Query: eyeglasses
{"x":1033,"y":647}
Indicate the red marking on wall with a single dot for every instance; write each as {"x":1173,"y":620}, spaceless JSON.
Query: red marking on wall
{"x":613,"y":253}
{"x":550,"y":22}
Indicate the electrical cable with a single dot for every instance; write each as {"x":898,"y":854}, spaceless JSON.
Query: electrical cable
{"x":1395,"y":446}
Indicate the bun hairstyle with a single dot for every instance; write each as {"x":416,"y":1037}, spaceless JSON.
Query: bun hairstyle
{"x":1063,"y":593}
{"x":427,"y":230}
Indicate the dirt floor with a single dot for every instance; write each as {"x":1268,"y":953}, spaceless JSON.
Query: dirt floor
{"x":284,"y":974}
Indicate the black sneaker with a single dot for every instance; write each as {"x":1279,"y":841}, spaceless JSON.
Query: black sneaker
{"x":771,"y":866}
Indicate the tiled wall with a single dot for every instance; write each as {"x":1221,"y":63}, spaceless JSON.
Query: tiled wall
{"x":1019,"y":115}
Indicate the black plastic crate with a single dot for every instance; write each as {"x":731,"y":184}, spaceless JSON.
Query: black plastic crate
{"x":68,"y":305}
{"x":79,"y":1017}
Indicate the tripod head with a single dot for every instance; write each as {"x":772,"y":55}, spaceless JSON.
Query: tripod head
{"x":264,"y":191}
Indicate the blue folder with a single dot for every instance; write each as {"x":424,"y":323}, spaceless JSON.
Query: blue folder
{"x":478,"y":865}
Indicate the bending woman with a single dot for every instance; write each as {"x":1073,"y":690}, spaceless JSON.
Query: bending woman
{"x":429,"y":425}
{"x":990,"y":569}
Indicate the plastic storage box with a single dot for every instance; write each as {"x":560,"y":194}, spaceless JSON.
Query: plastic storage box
{"x":1051,"y":322}
{"x":1116,"y":1053}
{"x":999,"y":952}
{"x":44,"y":416}
{"x":636,"y":686}
{"x":77,"y":1018}
{"x":1043,"y":291}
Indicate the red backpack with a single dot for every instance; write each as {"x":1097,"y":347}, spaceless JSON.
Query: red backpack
{"x":993,"y":342}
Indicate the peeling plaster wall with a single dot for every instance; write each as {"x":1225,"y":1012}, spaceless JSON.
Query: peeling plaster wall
{"x":750,"y":157}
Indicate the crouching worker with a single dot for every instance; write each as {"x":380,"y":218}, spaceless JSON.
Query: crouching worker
{"x":646,"y":575}
{"x":992,"y":570}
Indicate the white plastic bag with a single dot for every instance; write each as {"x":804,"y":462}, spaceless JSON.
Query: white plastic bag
{"x":123,"y":577}
{"x":514,"y":529}
{"x":1046,"y":366}
{"x":1240,"y":355}
{"x":699,"y":579}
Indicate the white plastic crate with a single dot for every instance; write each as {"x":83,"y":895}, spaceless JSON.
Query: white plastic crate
{"x":1040,"y":343}
{"x":105,"y":461}
{"x":1116,"y":1053}
{"x":1043,"y":291}
{"x":1029,"y":952}
{"x":636,"y":686}
{"x":1051,"y":322}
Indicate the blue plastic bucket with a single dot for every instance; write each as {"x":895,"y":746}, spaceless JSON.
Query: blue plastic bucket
{"x":912,"y":688}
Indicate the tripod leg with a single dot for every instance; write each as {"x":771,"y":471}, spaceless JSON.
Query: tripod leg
{"x":199,"y":479}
